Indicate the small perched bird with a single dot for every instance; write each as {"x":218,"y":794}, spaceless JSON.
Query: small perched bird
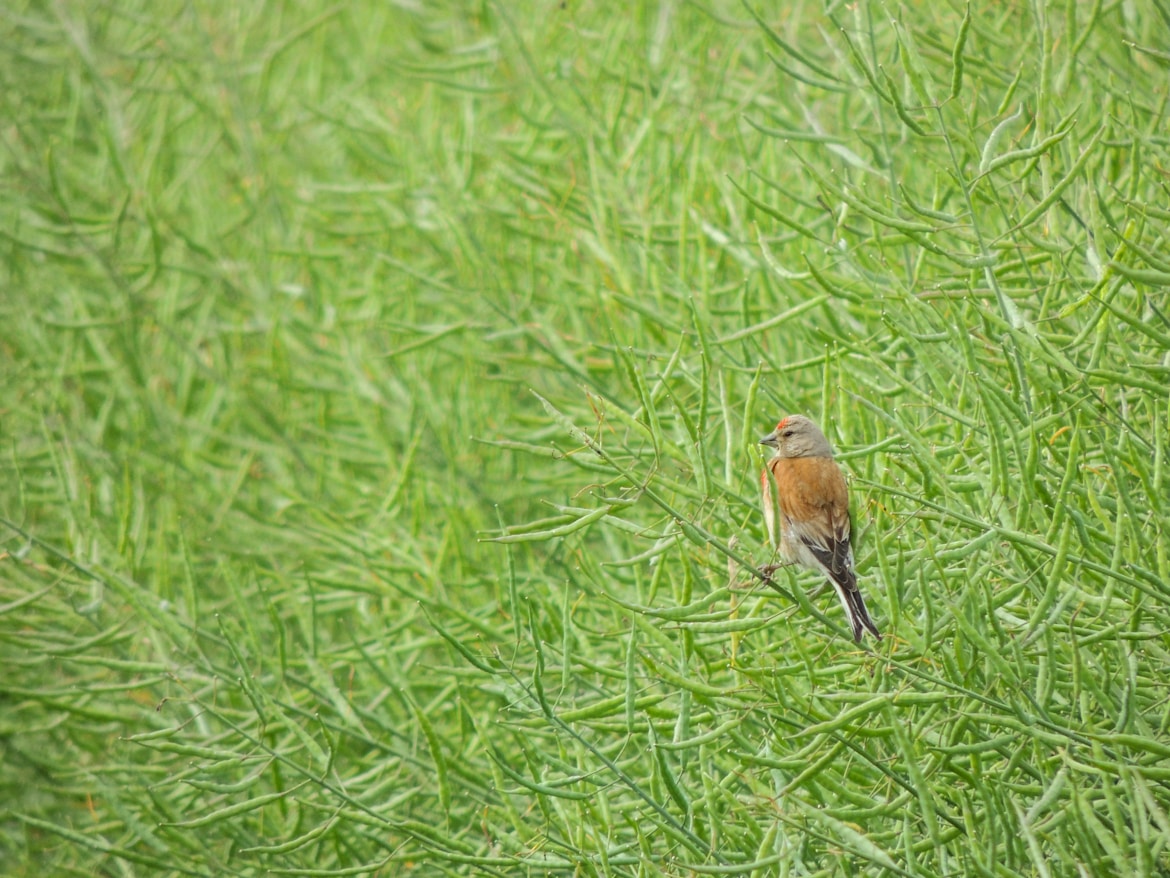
{"x":806,"y":510}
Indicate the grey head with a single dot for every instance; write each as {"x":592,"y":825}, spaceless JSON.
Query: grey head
{"x":797,"y":436}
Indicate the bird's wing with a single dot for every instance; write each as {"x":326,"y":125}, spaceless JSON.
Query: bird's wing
{"x":829,"y":544}
{"x":815,"y":503}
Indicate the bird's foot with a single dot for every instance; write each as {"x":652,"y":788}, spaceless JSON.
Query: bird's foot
{"x":768,"y":569}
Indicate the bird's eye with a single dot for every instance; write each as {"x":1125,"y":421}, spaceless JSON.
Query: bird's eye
{"x":786,"y":433}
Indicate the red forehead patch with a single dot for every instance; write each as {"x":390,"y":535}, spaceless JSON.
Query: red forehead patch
{"x":780,"y":426}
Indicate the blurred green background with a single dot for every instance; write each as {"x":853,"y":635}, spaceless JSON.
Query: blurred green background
{"x":381,"y":389}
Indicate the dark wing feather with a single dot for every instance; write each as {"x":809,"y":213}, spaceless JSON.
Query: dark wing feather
{"x":835,"y":556}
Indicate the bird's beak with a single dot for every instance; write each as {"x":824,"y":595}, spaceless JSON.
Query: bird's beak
{"x":771,"y":440}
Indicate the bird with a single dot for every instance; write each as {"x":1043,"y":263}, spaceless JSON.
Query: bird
{"x":806,"y":512}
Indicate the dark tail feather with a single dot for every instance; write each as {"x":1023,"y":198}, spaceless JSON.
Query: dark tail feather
{"x":859,"y":616}
{"x":854,"y":605}
{"x":837,"y":564}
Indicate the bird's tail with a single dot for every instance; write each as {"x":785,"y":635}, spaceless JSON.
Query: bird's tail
{"x":855,"y":610}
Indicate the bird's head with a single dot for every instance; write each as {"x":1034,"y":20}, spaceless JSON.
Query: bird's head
{"x":797,"y":436}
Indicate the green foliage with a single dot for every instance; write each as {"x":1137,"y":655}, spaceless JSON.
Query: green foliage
{"x":380,"y":480}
